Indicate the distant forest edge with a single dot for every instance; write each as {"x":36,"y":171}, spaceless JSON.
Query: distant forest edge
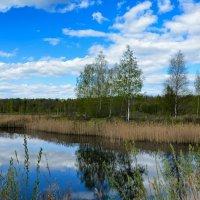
{"x":105,"y":91}
{"x":143,"y":107}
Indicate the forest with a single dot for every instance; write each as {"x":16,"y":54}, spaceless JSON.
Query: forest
{"x":86,"y":108}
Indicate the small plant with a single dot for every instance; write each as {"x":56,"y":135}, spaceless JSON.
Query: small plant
{"x":11,"y":184}
{"x":178,"y":178}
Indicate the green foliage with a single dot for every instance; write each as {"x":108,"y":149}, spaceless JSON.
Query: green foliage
{"x":177,"y":80}
{"x":143,"y":107}
{"x":85,"y":82}
{"x":97,"y":81}
{"x":197,"y":84}
{"x":129,"y":80}
{"x":178,"y":178}
{"x":12,"y":183}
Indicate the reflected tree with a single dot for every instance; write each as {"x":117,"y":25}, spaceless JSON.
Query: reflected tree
{"x":127,"y":179}
{"x":94,"y":165}
{"x":104,"y":171}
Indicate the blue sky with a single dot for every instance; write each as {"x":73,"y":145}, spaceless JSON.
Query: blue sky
{"x":45,"y":44}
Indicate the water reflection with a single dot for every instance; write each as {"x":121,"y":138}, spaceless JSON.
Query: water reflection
{"x":94,"y":164}
{"x":92,"y":168}
{"x":97,"y":166}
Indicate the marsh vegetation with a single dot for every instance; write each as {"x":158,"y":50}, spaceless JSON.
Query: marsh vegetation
{"x":167,"y":132}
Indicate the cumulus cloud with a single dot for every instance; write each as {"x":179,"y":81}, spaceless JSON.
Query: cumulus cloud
{"x":61,"y":6}
{"x":187,"y":24}
{"x":120,"y":4}
{"x":137,"y":19}
{"x":97,"y":16}
{"x":83,"y":33}
{"x":52,"y":41}
{"x":95,"y":49}
{"x":7,"y":54}
{"x":44,"y":67}
{"x":39,"y":90}
{"x":165,"y":6}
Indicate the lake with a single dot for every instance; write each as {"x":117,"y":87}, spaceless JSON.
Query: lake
{"x":81,"y":166}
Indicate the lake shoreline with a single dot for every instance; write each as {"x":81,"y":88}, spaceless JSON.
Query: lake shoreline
{"x":113,"y":129}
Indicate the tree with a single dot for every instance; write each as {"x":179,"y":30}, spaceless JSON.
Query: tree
{"x":129,"y":82}
{"x":177,"y":78}
{"x":100,"y":78}
{"x":85,"y":83}
{"x":197,"y":89}
{"x":111,"y":86}
{"x":92,"y":82}
{"x":169,"y":100}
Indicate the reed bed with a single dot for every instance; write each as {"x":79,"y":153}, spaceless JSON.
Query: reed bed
{"x":152,"y":132}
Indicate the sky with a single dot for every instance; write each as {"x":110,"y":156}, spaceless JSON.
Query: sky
{"x":44,"y":44}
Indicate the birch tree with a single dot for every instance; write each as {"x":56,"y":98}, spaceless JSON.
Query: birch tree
{"x":111,"y":86}
{"x":177,"y":78}
{"x":129,"y":78}
{"x":197,"y":89}
{"x":92,"y":81}
{"x":85,"y":82}
{"x":100,"y":77}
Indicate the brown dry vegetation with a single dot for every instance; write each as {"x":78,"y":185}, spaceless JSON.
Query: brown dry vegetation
{"x":153,"y":132}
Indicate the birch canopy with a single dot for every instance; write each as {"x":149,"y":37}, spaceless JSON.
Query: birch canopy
{"x":129,"y":75}
{"x":177,"y":78}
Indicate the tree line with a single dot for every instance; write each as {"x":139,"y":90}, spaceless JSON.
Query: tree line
{"x":125,"y":79}
{"x":144,"y":107}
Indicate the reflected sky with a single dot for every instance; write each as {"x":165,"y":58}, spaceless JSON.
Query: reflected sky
{"x":61,"y":161}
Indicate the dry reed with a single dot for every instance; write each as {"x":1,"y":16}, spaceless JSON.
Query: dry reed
{"x":177,"y":133}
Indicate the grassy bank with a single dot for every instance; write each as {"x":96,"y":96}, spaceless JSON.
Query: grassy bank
{"x":115,"y":129}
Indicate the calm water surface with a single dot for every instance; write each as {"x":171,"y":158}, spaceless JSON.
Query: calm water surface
{"x":77,"y":164}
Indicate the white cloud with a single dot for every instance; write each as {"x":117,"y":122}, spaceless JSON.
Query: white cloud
{"x":97,"y":16}
{"x":137,"y":19}
{"x":43,"y":67}
{"x":83,"y":33}
{"x":52,"y":41}
{"x":120,"y":4}
{"x":9,"y":90}
{"x":165,"y":6}
{"x":187,"y":23}
{"x":95,"y":49}
{"x":7,"y":54}
{"x":61,"y":6}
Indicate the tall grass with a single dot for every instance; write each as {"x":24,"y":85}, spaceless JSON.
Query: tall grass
{"x":180,"y":181}
{"x":12,"y":183}
{"x":153,"y":132}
